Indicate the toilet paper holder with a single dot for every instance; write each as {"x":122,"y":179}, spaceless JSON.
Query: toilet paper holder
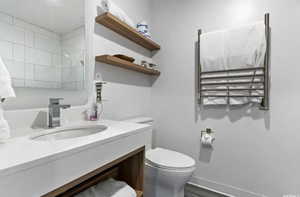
{"x":207,"y":131}
{"x":207,"y":137}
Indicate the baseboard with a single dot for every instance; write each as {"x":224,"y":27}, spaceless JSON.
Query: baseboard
{"x":192,"y":190}
{"x":199,"y":187}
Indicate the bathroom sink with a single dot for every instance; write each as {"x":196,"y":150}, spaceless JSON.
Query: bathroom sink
{"x":69,"y":132}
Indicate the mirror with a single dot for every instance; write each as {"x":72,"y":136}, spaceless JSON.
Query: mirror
{"x":42,"y":43}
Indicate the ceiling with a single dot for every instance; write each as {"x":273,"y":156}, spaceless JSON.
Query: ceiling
{"x":60,"y":16}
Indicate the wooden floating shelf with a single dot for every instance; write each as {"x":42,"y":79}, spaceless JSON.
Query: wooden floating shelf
{"x":118,"y":26}
{"x":115,"y":61}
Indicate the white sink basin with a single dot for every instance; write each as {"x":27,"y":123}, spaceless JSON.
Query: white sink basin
{"x":69,"y":132}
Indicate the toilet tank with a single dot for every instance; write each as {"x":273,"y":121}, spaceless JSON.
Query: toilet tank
{"x":145,"y":120}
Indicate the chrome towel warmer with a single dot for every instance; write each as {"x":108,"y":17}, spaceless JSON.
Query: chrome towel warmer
{"x":203,"y":87}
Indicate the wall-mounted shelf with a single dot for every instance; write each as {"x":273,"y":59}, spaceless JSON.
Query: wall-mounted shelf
{"x":116,"y":25}
{"x":125,"y":64}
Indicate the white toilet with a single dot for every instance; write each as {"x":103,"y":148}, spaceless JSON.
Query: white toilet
{"x":166,"y":171}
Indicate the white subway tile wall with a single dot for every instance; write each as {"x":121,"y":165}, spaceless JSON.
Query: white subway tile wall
{"x":73,"y":49}
{"x":36,"y":57}
{"x":6,"y":18}
{"x":18,"y":52}
{"x":6,"y":50}
{"x":29,"y":70}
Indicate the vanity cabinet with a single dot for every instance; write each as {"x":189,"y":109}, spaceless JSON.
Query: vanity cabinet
{"x":66,"y":167}
{"x":128,"y":168}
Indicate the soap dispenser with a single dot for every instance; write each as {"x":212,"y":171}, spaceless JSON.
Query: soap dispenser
{"x":97,"y":106}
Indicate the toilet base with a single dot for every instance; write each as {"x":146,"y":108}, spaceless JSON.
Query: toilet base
{"x":165,"y":183}
{"x":158,"y":191}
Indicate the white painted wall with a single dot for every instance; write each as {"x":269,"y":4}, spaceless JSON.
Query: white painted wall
{"x":127,"y":93}
{"x":256,"y":153}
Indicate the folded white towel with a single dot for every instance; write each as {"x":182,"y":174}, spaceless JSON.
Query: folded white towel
{"x":92,"y":192}
{"x":245,"y":47}
{"x":4,"y":127}
{"x":113,"y":188}
{"x":6,"y":90}
{"x":111,"y":7}
{"x":212,"y":51}
{"x":109,"y":188}
{"x":240,"y":47}
{"x":212,"y":58}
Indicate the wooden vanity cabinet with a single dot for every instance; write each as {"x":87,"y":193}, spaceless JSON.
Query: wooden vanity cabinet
{"x":128,"y":168}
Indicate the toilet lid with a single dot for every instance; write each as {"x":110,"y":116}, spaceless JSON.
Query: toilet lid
{"x":163,"y":158}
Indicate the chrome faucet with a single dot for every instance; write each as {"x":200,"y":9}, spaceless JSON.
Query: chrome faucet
{"x":54,"y":111}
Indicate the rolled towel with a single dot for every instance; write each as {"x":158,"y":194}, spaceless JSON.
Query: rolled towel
{"x":113,"y":188}
{"x":111,"y":7}
{"x":109,"y":188}
{"x":92,"y":192}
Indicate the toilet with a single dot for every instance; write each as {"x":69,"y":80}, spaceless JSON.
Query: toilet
{"x":166,"y":171}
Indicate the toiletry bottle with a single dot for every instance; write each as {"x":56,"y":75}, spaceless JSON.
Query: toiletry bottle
{"x":96,"y":109}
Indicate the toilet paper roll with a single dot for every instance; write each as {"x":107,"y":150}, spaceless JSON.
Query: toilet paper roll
{"x":207,"y":139}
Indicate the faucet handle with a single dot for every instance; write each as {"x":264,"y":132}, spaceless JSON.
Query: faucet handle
{"x":55,"y":101}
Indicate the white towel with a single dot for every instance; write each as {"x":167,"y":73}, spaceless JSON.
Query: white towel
{"x":245,"y":47}
{"x":240,"y":47}
{"x":6,"y":91}
{"x":109,"y":188}
{"x":111,"y":7}
{"x":212,"y":51}
{"x":212,"y":58}
{"x":4,"y":127}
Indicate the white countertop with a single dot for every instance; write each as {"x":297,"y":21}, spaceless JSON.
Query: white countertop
{"x":23,"y":153}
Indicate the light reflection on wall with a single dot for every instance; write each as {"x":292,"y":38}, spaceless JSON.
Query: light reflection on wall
{"x":242,"y":11}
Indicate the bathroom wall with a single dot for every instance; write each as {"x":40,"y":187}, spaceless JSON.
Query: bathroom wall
{"x":127,"y":93}
{"x":256,"y":153}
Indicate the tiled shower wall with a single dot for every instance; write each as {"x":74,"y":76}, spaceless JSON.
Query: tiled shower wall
{"x":73,"y":56}
{"x":34,"y":55}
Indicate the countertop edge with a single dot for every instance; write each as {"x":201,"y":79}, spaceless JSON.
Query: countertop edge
{"x":50,"y":158}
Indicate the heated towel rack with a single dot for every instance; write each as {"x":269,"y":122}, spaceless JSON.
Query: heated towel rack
{"x":220,"y":83}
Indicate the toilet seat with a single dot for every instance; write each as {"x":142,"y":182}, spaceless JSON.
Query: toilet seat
{"x":169,"y":160}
